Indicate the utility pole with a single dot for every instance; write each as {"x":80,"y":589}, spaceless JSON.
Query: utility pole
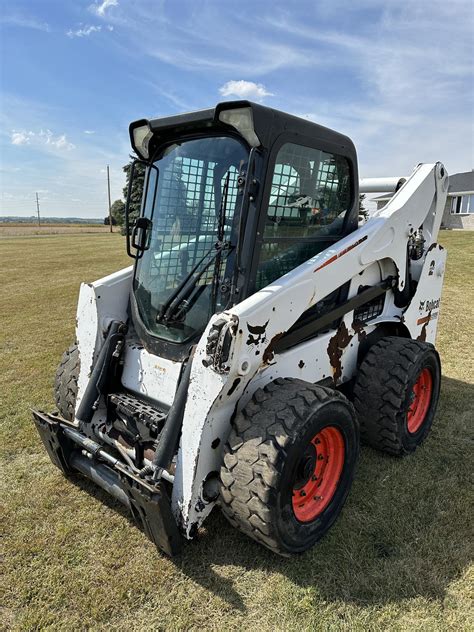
{"x":38,"y":209}
{"x":108,"y":190}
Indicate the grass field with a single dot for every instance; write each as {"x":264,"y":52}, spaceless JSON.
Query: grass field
{"x":17,"y":230}
{"x":399,"y":557}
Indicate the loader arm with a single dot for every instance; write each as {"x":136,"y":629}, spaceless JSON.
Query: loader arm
{"x":238,"y":345}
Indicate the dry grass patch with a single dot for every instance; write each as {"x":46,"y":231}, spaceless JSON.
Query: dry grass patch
{"x":398,"y":558}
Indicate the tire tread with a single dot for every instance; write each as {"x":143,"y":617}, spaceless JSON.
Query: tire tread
{"x":380,"y":388}
{"x":65,"y":383}
{"x":250,"y":474}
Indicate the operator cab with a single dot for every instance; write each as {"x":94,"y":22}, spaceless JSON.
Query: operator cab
{"x":234,"y":198}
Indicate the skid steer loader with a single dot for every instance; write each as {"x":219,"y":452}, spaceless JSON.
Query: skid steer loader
{"x":259,"y":334}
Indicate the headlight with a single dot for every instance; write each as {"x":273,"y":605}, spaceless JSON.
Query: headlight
{"x":242,"y":120}
{"x":141,"y":138}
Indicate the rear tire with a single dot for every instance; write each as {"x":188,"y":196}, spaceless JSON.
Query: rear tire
{"x":289,"y":464}
{"x":396,"y":394}
{"x":65,"y":383}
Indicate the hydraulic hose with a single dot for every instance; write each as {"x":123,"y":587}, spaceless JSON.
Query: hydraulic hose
{"x":170,"y":434}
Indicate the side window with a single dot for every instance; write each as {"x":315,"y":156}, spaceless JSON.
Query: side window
{"x":309,"y":198}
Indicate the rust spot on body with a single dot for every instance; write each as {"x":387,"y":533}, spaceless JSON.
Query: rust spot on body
{"x":424,"y":320}
{"x":269,"y":352}
{"x":336,"y":347}
{"x":358,"y":327}
{"x":422,"y":335}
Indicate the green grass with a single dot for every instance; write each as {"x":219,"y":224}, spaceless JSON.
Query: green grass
{"x":398,"y":558}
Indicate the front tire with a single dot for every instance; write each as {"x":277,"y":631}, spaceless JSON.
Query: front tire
{"x":289,"y":464}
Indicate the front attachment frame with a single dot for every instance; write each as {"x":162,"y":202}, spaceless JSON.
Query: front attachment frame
{"x":148,"y":501}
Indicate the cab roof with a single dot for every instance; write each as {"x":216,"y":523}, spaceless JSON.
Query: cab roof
{"x":268,"y":125}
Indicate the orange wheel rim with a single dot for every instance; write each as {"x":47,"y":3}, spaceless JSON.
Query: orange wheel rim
{"x":420,"y":401}
{"x":318,"y":473}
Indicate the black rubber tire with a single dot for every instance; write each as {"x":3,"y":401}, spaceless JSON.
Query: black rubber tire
{"x":383,"y":389}
{"x":65,"y":383}
{"x":261,"y":456}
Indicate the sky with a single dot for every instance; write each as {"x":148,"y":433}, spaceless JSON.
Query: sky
{"x":395,"y":76}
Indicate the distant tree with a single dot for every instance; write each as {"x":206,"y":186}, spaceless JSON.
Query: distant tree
{"x":363,"y":212}
{"x":107,"y":221}
{"x":118,"y":213}
{"x":137,"y":188}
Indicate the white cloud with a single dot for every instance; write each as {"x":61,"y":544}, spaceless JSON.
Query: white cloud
{"x":206,"y":39}
{"x":245,"y":90}
{"x":21,"y":138}
{"x":43,"y":137}
{"x":84,"y":31}
{"x":27,"y":22}
{"x":100,"y":9}
{"x":261,"y":58}
{"x":89,"y":131}
{"x":412,"y":102}
{"x":60,"y":142}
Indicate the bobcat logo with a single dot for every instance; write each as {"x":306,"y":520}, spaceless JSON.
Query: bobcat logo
{"x":422,"y":306}
{"x":432,"y":267}
{"x":257,"y":334}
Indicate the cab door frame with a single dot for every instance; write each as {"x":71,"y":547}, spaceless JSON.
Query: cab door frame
{"x":351,"y":217}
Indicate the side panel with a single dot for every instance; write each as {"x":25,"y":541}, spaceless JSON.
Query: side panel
{"x":422,"y":314}
{"x":99,"y":303}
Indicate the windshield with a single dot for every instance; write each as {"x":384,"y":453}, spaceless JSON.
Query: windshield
{"x":193,"y":203}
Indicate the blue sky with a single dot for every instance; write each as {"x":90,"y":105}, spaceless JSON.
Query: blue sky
{"x":396,"y":76}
